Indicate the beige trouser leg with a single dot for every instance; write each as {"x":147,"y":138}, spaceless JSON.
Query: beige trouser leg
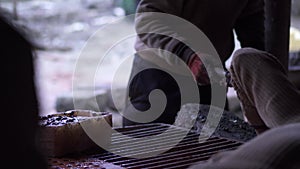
{"x":263,"y":86}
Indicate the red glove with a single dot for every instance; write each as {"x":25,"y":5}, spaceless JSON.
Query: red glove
{"x":198,"y":70}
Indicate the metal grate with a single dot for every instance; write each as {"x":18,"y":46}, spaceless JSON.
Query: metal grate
{"x":184,"y":154}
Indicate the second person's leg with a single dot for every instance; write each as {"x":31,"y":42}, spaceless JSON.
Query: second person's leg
{"x":262,"y":83}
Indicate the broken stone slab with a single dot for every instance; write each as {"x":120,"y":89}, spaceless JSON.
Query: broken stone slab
{"x":60,"y":137}
{"x":84,"y":99}
{"x":228,"y":124}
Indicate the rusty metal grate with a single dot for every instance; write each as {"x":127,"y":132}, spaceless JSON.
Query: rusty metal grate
{"x":184,"y":154}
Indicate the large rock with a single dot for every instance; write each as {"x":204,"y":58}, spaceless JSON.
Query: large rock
{"x":59,"y":137}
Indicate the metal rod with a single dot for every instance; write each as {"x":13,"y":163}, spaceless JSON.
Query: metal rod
{"x":190,"y":150}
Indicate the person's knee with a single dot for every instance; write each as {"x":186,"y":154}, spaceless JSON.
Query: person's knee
{"x":250,"y":59}
{"x":246,"y":57}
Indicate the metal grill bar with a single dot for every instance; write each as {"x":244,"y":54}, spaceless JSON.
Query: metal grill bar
{"x":189,"y":151}
{"x":180,"y":148}
{"x":175,"y":157}
{"x":172,"y":133}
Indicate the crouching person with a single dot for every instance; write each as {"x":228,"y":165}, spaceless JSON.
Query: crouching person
{"x":271,"y":104}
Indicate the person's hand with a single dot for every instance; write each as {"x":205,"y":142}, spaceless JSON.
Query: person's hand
{"x":228,"y":79}
{"x":198,"y":70}
{"x":210,"y":73}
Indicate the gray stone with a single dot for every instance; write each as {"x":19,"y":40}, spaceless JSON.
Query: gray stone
{"x":229,"y":125}
{"x":84,"y":99}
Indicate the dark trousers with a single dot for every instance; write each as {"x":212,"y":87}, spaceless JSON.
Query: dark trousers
{"x":141,"y":85}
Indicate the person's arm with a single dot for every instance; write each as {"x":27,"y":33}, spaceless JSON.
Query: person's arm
{"x":146,"y":23}
{"x":150,"y":28}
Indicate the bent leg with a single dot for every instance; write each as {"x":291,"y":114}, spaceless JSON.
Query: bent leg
{"x":263,"y":82}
